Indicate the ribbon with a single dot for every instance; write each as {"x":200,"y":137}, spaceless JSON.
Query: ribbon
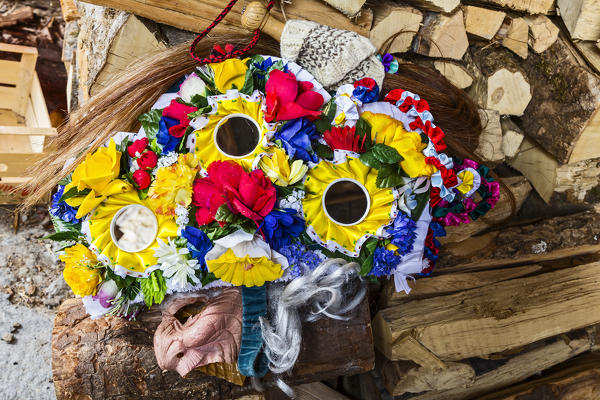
{"x":251,"y":359}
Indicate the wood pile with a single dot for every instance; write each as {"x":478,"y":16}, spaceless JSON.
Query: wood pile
{"x":522,"y":299}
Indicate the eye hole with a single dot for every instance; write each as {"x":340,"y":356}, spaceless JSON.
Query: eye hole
{"x":179,"y":355}
{"x":346,"y":201}
{"x":133,"y":228}
{"x":190,"y":310}
{"x":237,"y":135}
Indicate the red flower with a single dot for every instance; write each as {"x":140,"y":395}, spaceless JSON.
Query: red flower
{"x":179,"y":112}
{"x":137,"y":147}
{"x":289,"y":99}
{"x":147,"y":160}
{"x":344,"y":139}
{"x":141,"y":179}
{"x":249,"y":194}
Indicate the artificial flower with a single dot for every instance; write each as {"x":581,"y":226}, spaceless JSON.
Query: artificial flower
{"x":98,"y":173}
{"x":279,"y":226}
{"x":147,"y":160}
{"x":405,"y":100}
{"x":178,"y":111}
{"x":277,"y":167}
{"x":434,"y":133}
{"x":300,"y":258}
{"x":103,"y":301}
{"x":366,"y":90}
{"x":229,"y":74}
{"x":384,"y":262}
{"x":137,"y":147}
{"x":198,"y":243}
{"x":79,"y":272}
{"x":192,"y":85}
{"x":175,"y":265}
{"x":289,"y":99}
{"x":173,"y":185}
{"x":344,"y":138}
{"x":169,"y":143}
{"x":61,"y":209}
{"x":390,"y":64}
{"x":245,"y":259}
{"x":403,"y":233}
{"x":346,"y":105}
{"x":141,"y":178}
{"x":296,"y":136}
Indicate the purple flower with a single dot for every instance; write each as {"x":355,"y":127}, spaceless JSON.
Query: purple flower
{"x":295,"y":137}
{"x":61,"y":209}
{"x":279,"y":226}
{"x":403,"y":233}
{"x":384,"y":262}
{"x":300,"y":258}
{"x":198,"y":243}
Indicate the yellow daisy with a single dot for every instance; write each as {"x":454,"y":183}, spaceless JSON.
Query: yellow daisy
{"x":322,"y":227}
{"x":102,"y":238}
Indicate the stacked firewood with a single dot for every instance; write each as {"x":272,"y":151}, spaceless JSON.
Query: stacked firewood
{"x":520,"y":299}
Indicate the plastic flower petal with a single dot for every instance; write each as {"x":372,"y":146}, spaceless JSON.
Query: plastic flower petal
{"x":276,"y":166}
{"x":175,"y":265}
{"x":191,"y":86}
{"x":245,"y":259}
{"x":229,"y":73}
{"x":173,"y":185}
{"x":296,"y":136}
{"x":344,"y":139}
{"x":290,"y":99}
{"x":79,"y":272}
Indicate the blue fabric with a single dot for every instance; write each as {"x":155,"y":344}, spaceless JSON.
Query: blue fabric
{"x":163,"y":137}
{"x":296,"y":136}
{"x":198,"y":244}
{"x":251,"y":359}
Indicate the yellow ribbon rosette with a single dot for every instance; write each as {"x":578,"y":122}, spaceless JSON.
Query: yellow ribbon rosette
{"x":100,"y":227}
{"x":98,"y":173}
{"x":348,"y":237}
{"x":391,"y":132}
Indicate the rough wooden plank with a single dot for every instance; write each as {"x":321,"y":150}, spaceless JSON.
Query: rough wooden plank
{"x":25,"y":130}
{"x":16,"y":165}
{"x":497,"y":317}
{"x":111,"y":358}
{"x":21,"y":14}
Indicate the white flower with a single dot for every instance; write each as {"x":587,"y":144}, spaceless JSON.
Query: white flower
{"x":192,"y":86}
{"x":175,"y":264}
{"x":182,"y":214}
{"x":166,"y":160}
{"x":293,"y":201}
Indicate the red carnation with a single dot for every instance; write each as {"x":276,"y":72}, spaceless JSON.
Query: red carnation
{"x":344,"y":139}
{"x":147,"y":160}
{"x":141,"y":179}
{"x":289,"y":99}
{"x":137,"y":147}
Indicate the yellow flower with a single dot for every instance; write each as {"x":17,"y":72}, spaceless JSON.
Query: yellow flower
{"x":467,"y":181}
{"x":98,"y":173}
{"x":390,"y":131}
{"x":173,"y":185}
{"x":229,"y":73}
{"x":79,"y":272}
{"x":247,"y":271}
{"x":276,"y":166}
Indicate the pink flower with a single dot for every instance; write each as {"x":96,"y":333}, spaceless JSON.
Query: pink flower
{"x":137,"y":147}
{"x":147,"y":160}
{"x":179,"y":112}
{"x":141,"y":179}
{"x":289,"y":99}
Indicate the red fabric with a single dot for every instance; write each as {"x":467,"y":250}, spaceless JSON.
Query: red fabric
{"x":436,"y":135}
{"x":448,"y":175}
{"x":393,"y":96}
{"x":369,"y":83}
{"x":420,"y":105}
{"x":344,"y":139}
{"x":179,"y":112}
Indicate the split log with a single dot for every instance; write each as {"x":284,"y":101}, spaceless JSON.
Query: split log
{"x":579,"y":180}
{"x":581,"y":17}
{"x":560,"y":86}
{"x":350,"y":8}
{"x":19,"y":15}
{"x":543,"y":32}
{"x":591,"y":53}
{"x":111,"y":358}
{"x":69,"y":10}
{"x":490,"y":139}
{"x":195,"y":16}
{"x":394,"y":26}
{"x":445,"y":6}
{"x":514,"y":35}
{"x":483,"y":22}
{"x":529,"y":6}
{"x":512,"y":137}
{"x":537,"y":165}
{"x":494,"y":318}
{"x":508,"y":92}
{"x":455,"y":73}
{"x":442,"y":36}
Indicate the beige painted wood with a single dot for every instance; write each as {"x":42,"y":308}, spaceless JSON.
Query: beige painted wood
{"x":483,"y":22}
{"x":455,"y":73}
{"x":543,"y":32}
{"x":443,"y":36}
{"x":538,"y":166}
{"x":10,"y":72}
{"x":16,"y":98}
{"x":16,"y":165}
{"x":581,"y":17}
{"x":394,"y":26}
{"x":495,"y":318}
{"x":26,"y":131}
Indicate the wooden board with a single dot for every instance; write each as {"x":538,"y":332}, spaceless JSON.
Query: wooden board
{"x":111,"y":358}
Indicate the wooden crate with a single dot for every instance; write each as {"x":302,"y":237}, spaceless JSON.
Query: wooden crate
{"x":24,"y":120}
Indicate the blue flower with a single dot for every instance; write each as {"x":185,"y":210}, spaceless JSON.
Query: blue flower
{"x":300,"y":258}
{"x":61,"y":209}
{"x":163,"y":137}
{"x":384,"y":262}
{"x":403,"y":232}
{"x":265,"y":65}
{"x":366,"y":90}
{"x":279,"y":226}
{"x":198,"y":243}
{"x":295,"y":137}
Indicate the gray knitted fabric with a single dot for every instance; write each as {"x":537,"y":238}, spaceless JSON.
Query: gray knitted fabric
{"x":333,"y":56}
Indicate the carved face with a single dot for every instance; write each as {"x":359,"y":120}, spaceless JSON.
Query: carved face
{"x":210,"y":336}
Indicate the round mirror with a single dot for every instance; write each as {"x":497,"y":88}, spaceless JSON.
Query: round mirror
{"x":237,"y":135}
{"x":346,"y":201}
{"x":133,"y":228}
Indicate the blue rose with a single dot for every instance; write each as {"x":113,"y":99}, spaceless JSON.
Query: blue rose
{"x":295,"y":136}
{"x":198,"y":243}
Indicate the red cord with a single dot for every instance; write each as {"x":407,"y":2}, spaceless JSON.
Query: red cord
{"x":235,"y":53}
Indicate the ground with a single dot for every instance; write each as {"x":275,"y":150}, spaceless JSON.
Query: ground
{"x":31,"y":287}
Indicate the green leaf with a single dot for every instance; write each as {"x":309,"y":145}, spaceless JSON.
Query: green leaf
{"x":183,"y":140}
{"x":389,"y":176}
{"x":66,"y":180}
{"x":154,"y":288}
{"x":150,"y":122}
{"x":143,"y":194}
{"x":365,"y":257}
{"x":199,"y":101}
{"x":386,"y":154}
{"x":323,"y":151}
{"x":322,"y":124}
{"x":208,"y":278}
{"x":367,"y":265}
{"x":370,"y":160}
{"x":64,"y":226}
{"x":285,"y":191}
{"x":363,"y":128}
{"x":122,"y":147}
{"x":155,"y":147}
{"x":63,"y":236}
{"x":72,"y":192}
{"x":248,"y":87}
{"x":201,"y":111}
{"x":422,"y":201}
{"x":330,"y":109}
